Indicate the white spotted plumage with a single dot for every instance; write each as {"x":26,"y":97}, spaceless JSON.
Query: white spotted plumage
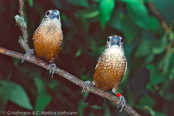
{"x":48,"y":37}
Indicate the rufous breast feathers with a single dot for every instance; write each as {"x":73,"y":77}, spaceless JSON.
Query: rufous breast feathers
{"x":47,"y":39}
{"x":110,"y":68}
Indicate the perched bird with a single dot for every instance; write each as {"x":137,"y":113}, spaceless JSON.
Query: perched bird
{"x":47,"y":38}
{"x":109,"y":71}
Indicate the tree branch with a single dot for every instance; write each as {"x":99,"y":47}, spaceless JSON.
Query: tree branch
{"x":23,"y":41}
{"x":21,"y":6}
{"x":114,"y":99}
{"x":159,"y":17}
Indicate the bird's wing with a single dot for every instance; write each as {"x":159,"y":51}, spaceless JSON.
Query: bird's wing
{"x":98,"y":62}
{"x":125,"y":68}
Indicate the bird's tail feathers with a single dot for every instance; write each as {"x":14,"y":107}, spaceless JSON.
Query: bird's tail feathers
{"x":93,"y":99}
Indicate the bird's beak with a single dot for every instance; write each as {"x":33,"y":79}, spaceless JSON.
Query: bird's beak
{"x":54,"y":14}
{"x":115,"y":41}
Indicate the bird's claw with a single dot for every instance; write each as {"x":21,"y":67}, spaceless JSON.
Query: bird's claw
{"x":123,"y":102}
{"x":120,"y":100}
{"x":30,"y":51}
{"x":85,"y":87}
{"x":53,"y":65}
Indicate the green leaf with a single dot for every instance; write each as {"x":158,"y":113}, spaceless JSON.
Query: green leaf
{"x":87,"y":13}
{"x":3,"y":98}
{"x":148,"y":59}
{"x":129,"y":28}
{"x":143,"y":49}
{"x":148,"y":0}
{"x":165,"y":8}
{"x":19,"y":96}
{"x":16,"y":94}
{"x":39,"y":84}
{"x":131,"y":1}
{"x":150,"y":110}
{"x":167,"y":59}
{"x":159,"y":114}
{"x":53,"y":84}
{"x":16,"y":61}
{"x":30,"y":2}
{"x":155,"y":78}
{"x":154,"y":24}
{"x":145,"y":101}
{"x":151,"y":67}
{"x":96,"y":107}
{"x":115,"y":21}
{"x":166,"y":95}
{"x":93,"y":45}
{"x":85,"y":77}
{"x":83,"y":3}
{"x":149,"y":87}
{"x":85,"y":25}
{"x":171,"y":36}
{"x":159,"y":45}
{"x":107,"y":111}
{"x":78,"y":52}
{"x":43,"y":99}
{"x":81,"y":108}
{"x":138,"y":14}
{"x":106,"y":8}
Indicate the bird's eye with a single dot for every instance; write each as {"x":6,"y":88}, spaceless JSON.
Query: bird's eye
{"x":121,"y":40}
{"x":109,"y":39}
{"x":47,"y":13}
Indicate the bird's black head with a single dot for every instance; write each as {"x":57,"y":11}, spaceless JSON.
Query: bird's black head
{"x":114,"y":40}
{"x":52,"y":14}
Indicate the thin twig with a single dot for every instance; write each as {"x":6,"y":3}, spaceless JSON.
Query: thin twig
{"x":22,"y":24}
{"x":21,"y":6}
{"x":114,"y":99}
{"x":160,"y":18}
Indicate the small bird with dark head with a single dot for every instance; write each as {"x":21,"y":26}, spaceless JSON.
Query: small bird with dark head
{"x":109,"y":71}
{"x":47,"y":38}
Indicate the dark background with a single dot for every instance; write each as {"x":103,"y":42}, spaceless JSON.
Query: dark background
{"x":147,"y":85}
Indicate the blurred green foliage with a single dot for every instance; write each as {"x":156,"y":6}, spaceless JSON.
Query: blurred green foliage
{"x":147,"y":85}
